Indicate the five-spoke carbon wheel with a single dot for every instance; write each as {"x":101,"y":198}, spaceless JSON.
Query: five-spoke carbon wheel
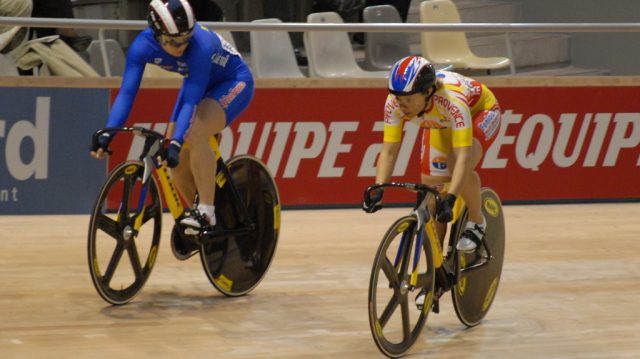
{"x":394,"y":318}
{"x":124,"y":233}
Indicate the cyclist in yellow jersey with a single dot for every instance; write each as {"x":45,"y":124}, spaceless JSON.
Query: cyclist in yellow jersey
{"x":461,"y":118}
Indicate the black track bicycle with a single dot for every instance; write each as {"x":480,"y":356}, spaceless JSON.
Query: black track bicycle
{"x":410,"y":263}
{"x":126,"y":221}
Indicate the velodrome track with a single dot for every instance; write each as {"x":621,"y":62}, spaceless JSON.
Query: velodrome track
{"x":569,"y":289}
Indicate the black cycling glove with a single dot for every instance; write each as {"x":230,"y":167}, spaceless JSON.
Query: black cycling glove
{"x":173,"y":153}
{"x":374,"y":202}
{"x":102,"y":142}
{"x":445,"y":212}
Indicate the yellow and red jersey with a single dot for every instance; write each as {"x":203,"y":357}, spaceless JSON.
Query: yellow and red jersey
{"x":452,"y":107}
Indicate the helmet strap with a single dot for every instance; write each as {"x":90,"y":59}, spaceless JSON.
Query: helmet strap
{"x":426,"y":100}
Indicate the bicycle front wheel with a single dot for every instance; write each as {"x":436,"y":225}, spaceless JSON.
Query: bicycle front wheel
{"x":124,"y":233}
{"x":236,"y":264}
{"x":394,"y":318}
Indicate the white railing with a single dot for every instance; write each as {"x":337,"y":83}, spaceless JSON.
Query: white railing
{"x":350,"y":27}
{"x":506,"y":28}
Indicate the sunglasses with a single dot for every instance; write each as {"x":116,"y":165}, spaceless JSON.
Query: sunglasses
{"x":175,"y":41}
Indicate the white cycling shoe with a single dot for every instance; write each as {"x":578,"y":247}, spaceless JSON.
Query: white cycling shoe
{"x":196,"y":222}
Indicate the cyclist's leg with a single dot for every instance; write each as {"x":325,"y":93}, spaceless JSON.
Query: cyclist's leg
{"x":485,"y":128}
{"x":217,"y":110}
{"x":470,"y":191}
{"x":210,"y":118}
{"x":183,"y":176}
{"x":434,"y":168}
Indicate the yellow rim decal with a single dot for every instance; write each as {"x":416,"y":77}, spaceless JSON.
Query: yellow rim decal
{"x":276,"y":216}
{"x":462,"y":282}
{"x":490,"y":294}
{"x":378,"y":329}
{"x":96,"y":267}
{"x":221,"y":179}
{"x":462,"y":285}
{"x":152,"y":256}
{"x":224,"y":282}
{"x":130,"y":170}
{"x":491,"y":206}
{"x":403,"y":227}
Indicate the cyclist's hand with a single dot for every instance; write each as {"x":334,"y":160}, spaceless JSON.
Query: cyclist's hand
{"x":444,"y":214}
{"x":100,"y":147}
{"x":373,"y":201}
{"x":172,"y":154}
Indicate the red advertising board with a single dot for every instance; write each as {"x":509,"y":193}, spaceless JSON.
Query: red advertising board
{"x":555,"y":143}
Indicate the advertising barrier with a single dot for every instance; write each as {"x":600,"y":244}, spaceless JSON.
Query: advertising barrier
{"x":45,"y":167}
{"x":556,"y":144}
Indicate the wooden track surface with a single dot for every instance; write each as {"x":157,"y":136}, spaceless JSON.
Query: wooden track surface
{"x":570,"y":289}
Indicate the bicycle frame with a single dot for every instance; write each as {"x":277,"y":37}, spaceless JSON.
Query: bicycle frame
{"x":394,"y":325}
{"x":153,"y":146}
{"x":428,"y":222}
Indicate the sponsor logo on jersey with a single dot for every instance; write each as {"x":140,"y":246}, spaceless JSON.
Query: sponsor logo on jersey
{"x":220,"y":60}
{"x":451,"y":108}
{"x":489,"y":123}
{"x":439,"y":162}
{"x":232,"y":94}
{"x":390,"y":107}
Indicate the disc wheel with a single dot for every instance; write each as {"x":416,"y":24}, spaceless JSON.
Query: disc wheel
{"x":120,"y":257}
{"x":478,"y":275}
{"x":394,"y":319}
{"x":235,"y":264}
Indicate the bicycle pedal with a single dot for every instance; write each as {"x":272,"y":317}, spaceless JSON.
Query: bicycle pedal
{"x":189,"y":231}
{"x":420,"y":299}
{"x":183,"y":248}
{"x":436,"y":306}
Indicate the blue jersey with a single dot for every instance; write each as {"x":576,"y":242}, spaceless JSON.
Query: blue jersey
{"x":207,"y":62}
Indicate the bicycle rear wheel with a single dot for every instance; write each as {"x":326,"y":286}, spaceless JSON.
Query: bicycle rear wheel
{"x":479,"y":276}
{"x":120,"y":257}
{"x":394,"y":319}
{"x":235,"y":264}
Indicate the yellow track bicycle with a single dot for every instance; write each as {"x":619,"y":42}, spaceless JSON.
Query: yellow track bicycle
{"x":126,"y":221}
{"x":410,"y":262}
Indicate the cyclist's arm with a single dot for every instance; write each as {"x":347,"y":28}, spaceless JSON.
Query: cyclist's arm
{"x":131,"y":79}
{"x":393,"y":124}
{"x":387,"y":161}
{"x":461,"y":169}
{"x":192,"y":92}
{"x":462,"y":139}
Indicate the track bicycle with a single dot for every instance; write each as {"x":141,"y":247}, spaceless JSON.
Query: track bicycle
{"x":410,"y":262}
{"x":126,"y":221}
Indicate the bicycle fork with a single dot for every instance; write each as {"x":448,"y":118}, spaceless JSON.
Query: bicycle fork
{"x":144,"y":190}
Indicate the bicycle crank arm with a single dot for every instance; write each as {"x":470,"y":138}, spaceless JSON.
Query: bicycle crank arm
{"x":485,"y":262}
{"x":216,"y":234}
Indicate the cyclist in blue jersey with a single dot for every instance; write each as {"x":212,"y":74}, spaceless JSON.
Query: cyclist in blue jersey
{"x":217,"y":87}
